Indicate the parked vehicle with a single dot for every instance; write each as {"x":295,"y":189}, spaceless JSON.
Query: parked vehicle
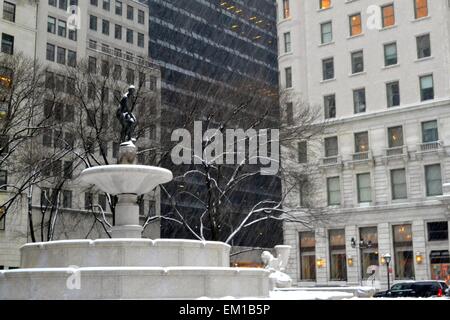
{"x":416,"y":289}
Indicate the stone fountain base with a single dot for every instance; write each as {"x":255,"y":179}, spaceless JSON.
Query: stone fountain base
{"x":130,"y":269}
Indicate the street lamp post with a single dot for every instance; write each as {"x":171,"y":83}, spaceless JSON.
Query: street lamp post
{"x":362,"y":245}
{"x":387,"y":258}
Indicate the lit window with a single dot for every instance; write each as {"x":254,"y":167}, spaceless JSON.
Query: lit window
{"x":388,"y":15}
{"x":361,"y":142}
{"x":325,"y":4}
{"x":395,"y":137}
{"x":307,"y":256}
{"x":404,"y":255}
{"x":420,"y":8}
{"x":286,"y":9}
{"x":355,"y":24}
{"x":338,"y":258}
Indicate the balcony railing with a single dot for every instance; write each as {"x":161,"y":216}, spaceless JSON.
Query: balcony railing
{"x":397,"y":151}
{"x":430,"y":146}
{"x":361,"y":156}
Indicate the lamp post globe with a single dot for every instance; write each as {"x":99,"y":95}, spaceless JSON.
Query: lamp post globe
{"x":387,"y":258}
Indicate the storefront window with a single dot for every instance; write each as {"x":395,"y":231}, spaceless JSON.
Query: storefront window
{"x":369,"y":253}
{"x":440,"y":265}
{"x":338,"y":258}
{"x":404,"y":255}
{"x":307,"y":256}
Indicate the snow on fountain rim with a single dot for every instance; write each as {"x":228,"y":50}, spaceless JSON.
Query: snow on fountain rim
{"x":126,"y":179}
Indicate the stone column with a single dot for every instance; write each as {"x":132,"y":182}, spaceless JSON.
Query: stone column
{"x":322,"y":253}
{"x":385,"y":246}
{"x":353,"y":270}
{"x":419,"y":247}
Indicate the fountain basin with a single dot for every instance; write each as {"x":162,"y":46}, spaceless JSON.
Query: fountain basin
{"x":126,"y":179}
{"x":125,"y":253}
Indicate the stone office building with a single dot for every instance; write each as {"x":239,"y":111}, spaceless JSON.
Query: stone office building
{"x":379,"y":72}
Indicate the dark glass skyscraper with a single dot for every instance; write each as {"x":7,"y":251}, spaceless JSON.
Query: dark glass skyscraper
{"x":201,"y":43}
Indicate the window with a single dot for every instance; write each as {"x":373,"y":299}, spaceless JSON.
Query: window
{"x":63,"y":4}
{"x":130,"y":13}
{"x":331,"y":147}
{"x":51,"y":25}
{"x":93,"y":2}
{"x":73,"y":35}
{"x":92,"y":64}
{"x":423,"y":46}
{"x":117,"y":73}
{"x":106,"y":5}
{"x":395,"y":135}
{"x":288,"y":77}
{"x":93,"y":23}
{"x":420,"y":8}
{"x":286,"y":9}
{"x":338,"y":258}
{"x":364,"y":188}
{"x":330,"y":106}
{"x":287,"y":42}
{"x":433,"y":179}
{"x":141,"y":17}
{"x":53,"y":3}
{"x":51,"y":50}
{"x":430,"y":131}
{"x":9,"y":11}
{"x":2,"y":222}
{"x":355,"y":24}
{"x":105,"y":68}
{"x":333,"y":191}
{"x":118,"y":32}
{"x":328,"y":68}
{"x":130,"y":36}
{"x":404,"y":255}
{"x":3,"y":179}
{"x":357,"y":62}
{"x":141,"y":40}
{"x":393,"y":94}
{"x":388,"y":15}
{"x":4,"y":144}
{"x":102,"y":201}
{"x":426,"y":88}
{"x":88,"y":200}
{"x":302,"y":152}
{"x":390,"y":54}
{"x":119,"y":7}
{"x":7,"y":44}
{"x":326,"y":31}
{"x":290,"y":113}
{"x":105,"y":27}
{"x":130,"y":76}
{"x":324,"y":4}
{"x":398,"y":184}
{"x":61,"y":55}
{"x":67,"y":199}
{"x":62,"y":28}
{"x":68,"y":169}
{"x":307,"y":256}
{"x":369,"y":255}
{"x":71,"y":58}
{"x":361,"y":142}
{"x":440,"y":264}
{"x":359,"y":100}
{"x":438,"y":231}
{"x":49,"y":80}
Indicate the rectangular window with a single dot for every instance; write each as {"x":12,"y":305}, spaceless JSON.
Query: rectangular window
{"x":63,"y":4}
{"x":67,"y":199}
{"x":393,"y":94}
{"x":92,"y":64}
{"x":426,"y":88}
{"x":287,"y":42}
{"x":51,"y":25}
{"x":105,"y":27}
{"x":288,"y":77}
{"x":331,"y":147}
{"x":438,"y":231}
{"x":361,"y":142}
{"x":369,"y":253}
{"x":2,"y":222}
{"x":338,"y":258}
{"x":395,"y":135}
{"x":3,"y":179}
{"x":390,"y":54}
{"x":118,"y":32}
{"x":93,"y":23}
{"x":7,"y":44}
{"x":404,"y":255}
{"x":328,"y":68}
{"x":307,"y":248}
{"x":330,"y":106}
{"x":388,"y":15}
{"x":357,"y":62}
{"x":106,"y":5}
{"x":398,"y":184}
{"x":130,"y":36}
{"x":333,"y":191}
{"x":420,"y":8}
{"x":130,"y":13}
{"x":355,"y":24}
{"x":423,"y":46}
{"x":290,"y":113}
{"x":68,"y":169}
{"x":102,"y":201}
{"x":88,"y":200}
{"x":326,"y":31}
{"x":9,"y":11}
{"x":73,"y":35}
{"x":50,"y":54}
{"x":286,"y":9}
{"x":433,"y":179}
{"x":324,"y":4}
{"x":364,"y":188}
{"x":141,"y":17}
{"x":141,"y":40}
{"x":430,"y":131}
{"x":302,"y":152}
{"x":71,"y":58}
{"x":119,"y":7}
{"x":62,"y":28}
{"x":61,"y":55}
{"x":359,"y":100}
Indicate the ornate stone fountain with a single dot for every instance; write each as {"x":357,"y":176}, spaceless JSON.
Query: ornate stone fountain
{"x":127,"y":266}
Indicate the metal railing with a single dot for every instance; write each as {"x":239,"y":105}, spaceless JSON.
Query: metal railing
{"x":361,"y":156}
{"x":430,"y":146}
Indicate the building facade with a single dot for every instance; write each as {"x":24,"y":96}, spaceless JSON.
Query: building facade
{"x":202,"y":43}
{"x":60,"y":35}
{"x":378,"y":72}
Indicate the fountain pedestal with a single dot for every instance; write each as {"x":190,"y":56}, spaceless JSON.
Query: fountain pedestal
{"x":127,"y":218}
